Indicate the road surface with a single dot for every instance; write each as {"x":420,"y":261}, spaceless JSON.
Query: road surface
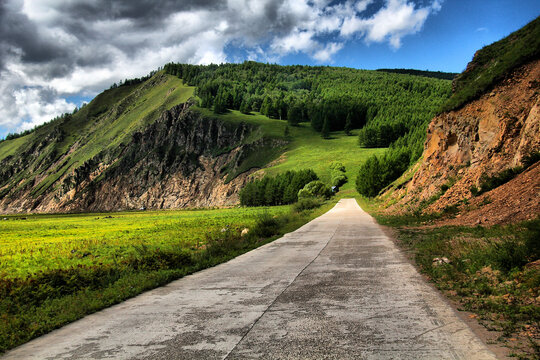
{"x":337,"y":288}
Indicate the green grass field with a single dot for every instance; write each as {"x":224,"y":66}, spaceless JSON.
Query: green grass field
{"x":307,"y":149}
{"x":47,"y":242}
{"x":55,"y":269}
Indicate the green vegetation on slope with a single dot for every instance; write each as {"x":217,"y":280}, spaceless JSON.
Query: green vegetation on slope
{"x":316,"y":94}
{"x":494,"y":62}
{"x":426,"y":73}
{"x":308,"y":150}
{"x":75,"y":121}
{"x":305,"y":149}
{"x":9,"y":147}
{"x":65,"y":144}
{"x":492,"y":272}
{"x":58,"y":268}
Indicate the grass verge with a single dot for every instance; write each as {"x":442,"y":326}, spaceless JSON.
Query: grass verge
{"x":493,"y":272}
{"x":49,"y":298}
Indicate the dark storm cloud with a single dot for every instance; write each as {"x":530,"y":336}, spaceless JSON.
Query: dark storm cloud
{"x":19,"y":33}
{"x":50,"y":49}
{"x":142,"y":11}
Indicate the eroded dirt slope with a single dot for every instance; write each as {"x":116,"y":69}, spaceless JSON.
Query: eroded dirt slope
{"x":485,"y":137}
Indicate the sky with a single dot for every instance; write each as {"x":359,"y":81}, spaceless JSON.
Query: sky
{"x":57,"y":54}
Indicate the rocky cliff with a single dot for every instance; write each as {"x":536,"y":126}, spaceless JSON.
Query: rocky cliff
{"x":478,"y":141}
{"x":181,"y":160}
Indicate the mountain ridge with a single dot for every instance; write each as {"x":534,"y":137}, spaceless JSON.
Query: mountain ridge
{"x":489,"y":140}
{"x":66,"y":165}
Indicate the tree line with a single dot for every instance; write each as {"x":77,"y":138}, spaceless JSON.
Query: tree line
{"x":391,"y":108}
{"x":279,"y":190}
{"x":329,"y":98}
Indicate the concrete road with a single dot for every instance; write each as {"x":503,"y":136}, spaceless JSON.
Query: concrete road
{"x":337,"y":288}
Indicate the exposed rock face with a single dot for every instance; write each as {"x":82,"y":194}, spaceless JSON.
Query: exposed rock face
{"x":486,"y":136}
{"x":178,"y":161}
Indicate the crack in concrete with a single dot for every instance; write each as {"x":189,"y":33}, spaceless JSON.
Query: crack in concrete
{"x":285,"y":289}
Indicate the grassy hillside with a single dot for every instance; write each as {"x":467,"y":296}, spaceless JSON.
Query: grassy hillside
{"x":493,"y":62}
{"x":305,"y":149}
{"x":60,"y":146}
{"x":59,"y":156}
{"x":309,"y":150}
{"x":70,"y":124}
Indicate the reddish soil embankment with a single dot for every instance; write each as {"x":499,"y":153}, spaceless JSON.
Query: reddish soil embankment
{"x":483,"y":138}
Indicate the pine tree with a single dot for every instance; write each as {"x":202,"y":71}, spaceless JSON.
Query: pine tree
{"x":348,"y":124}
{"x":294,"y":115}
{"x":326,"y":129}
{"x":220,"y":105}
{"x":244,"y":108}
{"x":265,"y":106}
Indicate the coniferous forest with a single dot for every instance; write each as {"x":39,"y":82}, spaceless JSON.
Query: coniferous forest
{"x":390,"y":109}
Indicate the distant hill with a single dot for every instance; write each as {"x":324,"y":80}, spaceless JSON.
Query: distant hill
{"x":431,"y":74}
{"x":494,"y":62}
{"x":148,"y":144}
{"x":481,"y":155}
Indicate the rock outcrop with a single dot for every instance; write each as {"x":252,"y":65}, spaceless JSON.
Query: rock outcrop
{"x":183,"y":159}
{"x":483,"y":138}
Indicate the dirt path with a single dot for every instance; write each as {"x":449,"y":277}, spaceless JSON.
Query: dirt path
{"x":337,"y":288}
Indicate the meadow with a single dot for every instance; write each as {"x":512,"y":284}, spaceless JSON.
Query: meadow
{"x":306,"y":149}
{"x":55,"y":269}
{"x":33,"y":243}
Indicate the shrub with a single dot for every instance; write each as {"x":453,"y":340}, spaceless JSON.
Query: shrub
{"x":315,"y":189}
{"x":378,"y":172}
{"x":532,"y":240}
{"x":307,"y":204}
{"x":338,"y":176}
{"x":337,"y":166}
{"x":338,"y":179}
{"x":488,"y":183}
{"x":380,"y":135}
{"x":266,"y":226}
{"x":509,"y":254}
{"x":531,"y":159}
{"x":282,"y":189}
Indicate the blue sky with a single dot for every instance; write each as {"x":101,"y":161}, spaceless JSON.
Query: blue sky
{"x":447,"y":41}
{"x":56,"y":54}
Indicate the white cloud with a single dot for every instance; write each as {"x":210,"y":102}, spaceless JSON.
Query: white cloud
{"x":362,"y":5}
{"x":33,"y":107}
{"x":294,"y":42}
{"x":325,"y":54}
{"x":51,"y":49}
{"x":391,"y":23}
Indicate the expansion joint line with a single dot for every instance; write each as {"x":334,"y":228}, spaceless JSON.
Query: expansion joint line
{"x":281,"y":293}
